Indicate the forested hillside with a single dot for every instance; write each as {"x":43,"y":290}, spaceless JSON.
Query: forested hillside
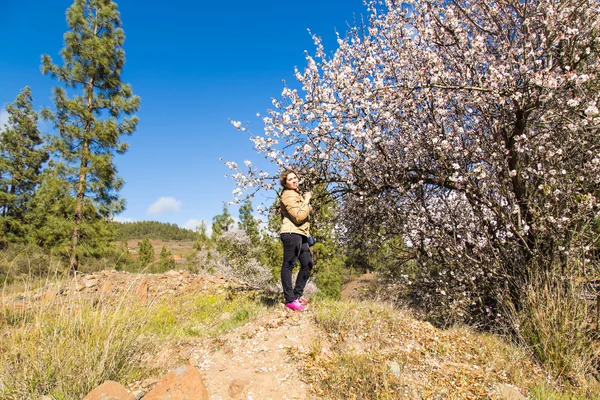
{"x":152,"y":230}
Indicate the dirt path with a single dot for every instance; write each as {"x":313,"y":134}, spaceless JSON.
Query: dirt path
{"x":256,"y":361}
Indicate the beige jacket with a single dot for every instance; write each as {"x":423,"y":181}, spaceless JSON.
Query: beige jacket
{"x":294,"y":211}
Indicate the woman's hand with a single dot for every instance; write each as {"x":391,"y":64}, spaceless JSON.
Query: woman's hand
{"x":307,"y":196}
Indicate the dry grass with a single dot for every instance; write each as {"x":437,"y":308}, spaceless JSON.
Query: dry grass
{"x":62,"y":343}
{"x":64,"y":347}
{"x":378,"y":352}
{"x":558,"y":324}
{"x":181,"y":248}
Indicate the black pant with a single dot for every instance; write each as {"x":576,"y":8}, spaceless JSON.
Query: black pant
{"x":295,"y":247}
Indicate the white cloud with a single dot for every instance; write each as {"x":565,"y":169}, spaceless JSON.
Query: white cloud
{"x":165,"y":205}
{"x":194,"y":225}
{"x":121,"y":219}
{"x":3,"y":118}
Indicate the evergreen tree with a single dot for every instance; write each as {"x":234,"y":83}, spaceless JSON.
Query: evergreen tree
{"x":248,"y":223}
{"x":328,"y":255}
{"x":50,"y":220}
{"x":21,"y":159}
{"x":124,"y":248}
{"x":165,"y":260}
{"x":154,"y":230}
{"x":146,"y":252}
{"x":202,"y":237}
{"x":274,"y":219}
{"x":222,"y":223}
{"x":202,"y":231}
{"x":90,"y":124}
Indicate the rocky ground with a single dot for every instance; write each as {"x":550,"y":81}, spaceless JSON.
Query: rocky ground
{"x":260,"y":360}
{"x":257,"y":361}
{"x":254,"y":361}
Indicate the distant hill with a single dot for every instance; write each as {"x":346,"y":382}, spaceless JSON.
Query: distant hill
{"x":152,"y":230}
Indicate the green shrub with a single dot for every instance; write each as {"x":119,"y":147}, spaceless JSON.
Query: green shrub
{"x":329,"y":281}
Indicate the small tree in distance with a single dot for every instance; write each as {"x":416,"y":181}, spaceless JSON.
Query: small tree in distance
{"x":222,"y":223}
{"x":203,"y":238}
{"x":165,"y":260}
{"x":145,"y":252}
{"x":248,"y":223}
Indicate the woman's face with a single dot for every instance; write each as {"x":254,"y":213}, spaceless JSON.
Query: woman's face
{"x":291,"y":181}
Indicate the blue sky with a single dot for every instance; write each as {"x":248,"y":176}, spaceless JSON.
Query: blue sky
{"x":195,"y":65}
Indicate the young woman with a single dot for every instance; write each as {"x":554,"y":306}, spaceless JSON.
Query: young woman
{"x":295,"y":208}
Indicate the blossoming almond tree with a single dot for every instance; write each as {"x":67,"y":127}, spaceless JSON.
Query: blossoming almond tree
{"x":468,"y":128}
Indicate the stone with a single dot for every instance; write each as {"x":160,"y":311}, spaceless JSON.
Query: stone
{"x":148,"y":383}
{"x":79,"y":286}
{"x":89,"y":283}
{"x":141,"y":292}
{"x":509,"y":392}
{"x":237,"y":387}
{"x":225,"y":316}
{"x":184,"y":383}
{"x":394,"y":368}
{"x":107,"y":286}
{"x":109,"y":390}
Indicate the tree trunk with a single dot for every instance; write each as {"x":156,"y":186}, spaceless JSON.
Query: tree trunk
{"x":79,"y":199}
{"x":81,"y":186}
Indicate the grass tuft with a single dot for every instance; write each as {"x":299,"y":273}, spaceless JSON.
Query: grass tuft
{"x":203,"y":315}
{"x":556,"y":323}
{"x":64,"y":348}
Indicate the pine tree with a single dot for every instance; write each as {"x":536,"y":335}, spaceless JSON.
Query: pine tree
{"x":124,"y":249}
{"x":146,"y":252}
{"x":50,"y":218}
{"x":221,"y":223}
{"x":90,"y":124}
{"x":154,"y":230}
{"x":165,"y":259}
{"x":21,"y":159}
{"x":202,"y":237}
{"x":248,"y":223}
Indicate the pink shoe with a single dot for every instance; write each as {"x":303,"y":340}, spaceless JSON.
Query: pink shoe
{"x":295,"y":305}
{"x":303,"y":301}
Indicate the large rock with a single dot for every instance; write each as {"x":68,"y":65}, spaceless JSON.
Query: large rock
{"x":109,"y":390}
{"x":184,"y":383}
{"x":509,"y":392}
